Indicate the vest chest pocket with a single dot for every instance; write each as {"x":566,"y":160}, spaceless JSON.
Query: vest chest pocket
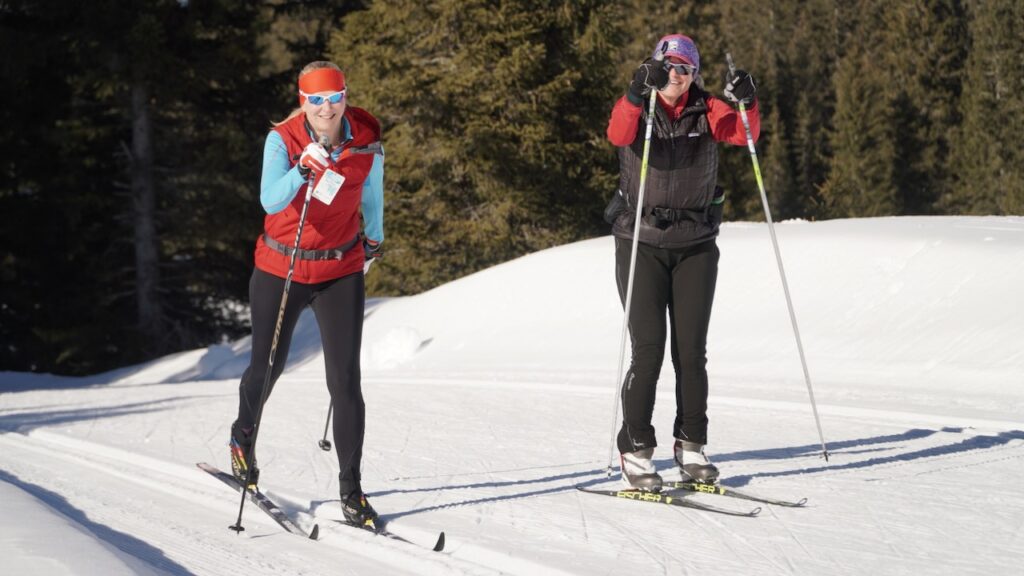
{"x":697,"y":128}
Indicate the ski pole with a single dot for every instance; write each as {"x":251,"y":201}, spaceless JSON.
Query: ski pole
{"x":632,"y":267}
{"x":325,"y":141}
{"x":778,"y":258}
{"x":325,"y":444}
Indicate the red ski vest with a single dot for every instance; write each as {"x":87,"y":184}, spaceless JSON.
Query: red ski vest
{"x":327,"y":226}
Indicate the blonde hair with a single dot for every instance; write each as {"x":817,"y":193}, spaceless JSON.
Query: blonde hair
{"x":315,"y":65}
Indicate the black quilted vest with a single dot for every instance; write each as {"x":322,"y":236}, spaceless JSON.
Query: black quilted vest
{"x":682,"y":171}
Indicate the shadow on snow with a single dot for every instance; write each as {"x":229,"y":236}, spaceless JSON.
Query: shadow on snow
{"x":124,"y":542}
{"x":25,"y":421}
{"x":845,"y":447}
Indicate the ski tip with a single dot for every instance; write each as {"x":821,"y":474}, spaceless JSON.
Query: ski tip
{"x":439,"y":546}
{"x":314,"y":534}
{"x":755,"y":511}
{"x":801,"y":502}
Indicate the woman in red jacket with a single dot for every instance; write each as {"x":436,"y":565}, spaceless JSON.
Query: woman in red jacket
{"x":677,"y":256}
{"x":336,"y":149}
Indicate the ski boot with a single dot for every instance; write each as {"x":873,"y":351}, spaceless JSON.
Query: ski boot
{"x":693,"y":464}
{"x":242,"y":457}
{"x":356,"y":508}
{"x":638,"y":471}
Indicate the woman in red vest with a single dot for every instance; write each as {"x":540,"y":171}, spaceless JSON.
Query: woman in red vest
{"x":336,"y":149}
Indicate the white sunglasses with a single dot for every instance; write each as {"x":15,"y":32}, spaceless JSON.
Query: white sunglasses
{"x":316,"y":99}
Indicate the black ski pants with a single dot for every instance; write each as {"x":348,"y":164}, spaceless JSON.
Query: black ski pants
{"x":681,"y":281}
{"x":338,"y":306}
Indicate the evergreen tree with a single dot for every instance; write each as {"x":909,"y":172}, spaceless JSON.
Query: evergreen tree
{"x":895,"y":143}
{"x":493,"y":117}
{"x":862,"y":179}
{"x":32,"y":142}
{"x":127,"y":170}
{"x":744,"y":29}
{"x":132,"y":137}
{"x":809,"y":102}
{"x":927,"y":52}
{"x":987,"y":159}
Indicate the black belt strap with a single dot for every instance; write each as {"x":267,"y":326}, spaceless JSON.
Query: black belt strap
{"x":661,"y":217}
{"x":330,"y":254}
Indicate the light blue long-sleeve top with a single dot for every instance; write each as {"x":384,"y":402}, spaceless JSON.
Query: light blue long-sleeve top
{"x":281,"y":182}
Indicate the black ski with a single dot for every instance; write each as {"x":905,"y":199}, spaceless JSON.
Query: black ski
{"x":732,"y":493}
{"x":262,"y":502}
{"x":382,"y":531}
{"x":669,"y":499}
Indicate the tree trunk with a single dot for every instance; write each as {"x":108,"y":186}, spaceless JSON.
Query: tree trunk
{"x":147,"y":269}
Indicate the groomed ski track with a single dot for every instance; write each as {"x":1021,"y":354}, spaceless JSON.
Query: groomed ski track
{"x":489,"y":399}
{"x":503,"y":491}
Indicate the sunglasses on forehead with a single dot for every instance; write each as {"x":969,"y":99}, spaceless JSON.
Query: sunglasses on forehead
{"x":681,"y":69}
{"x":316,"y":99}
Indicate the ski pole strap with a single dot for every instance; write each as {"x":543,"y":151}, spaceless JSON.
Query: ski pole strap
{"x":330,"y":254}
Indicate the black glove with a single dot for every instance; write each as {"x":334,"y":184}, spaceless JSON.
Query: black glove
{"x":650,"y":74}
{"x":739,"y":87}
{"x":373,"y":250}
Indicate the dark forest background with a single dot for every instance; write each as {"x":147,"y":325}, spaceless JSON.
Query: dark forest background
{"x":132,"y":134}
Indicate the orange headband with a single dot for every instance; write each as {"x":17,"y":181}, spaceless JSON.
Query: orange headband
{"x":321,"y":80}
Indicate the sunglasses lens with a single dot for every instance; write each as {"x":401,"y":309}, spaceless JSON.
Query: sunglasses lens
{"x":316,"y":99}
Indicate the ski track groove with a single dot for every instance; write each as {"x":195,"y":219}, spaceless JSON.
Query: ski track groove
{"x":882,"y":527}
{"x":722,"y":524}
{"x":1018,"y":533}
{"x":40,"y":444}
{"x":430,"y":498}
{"x":311,"y":465}
{"x":965,"y":464}
{"x":583,"y":516}
{"x":785,"y":525}
{"x":124,"y":466}
{"x":638,"y":542}
{"x":173,"y":554}
{"x":837,"y":410}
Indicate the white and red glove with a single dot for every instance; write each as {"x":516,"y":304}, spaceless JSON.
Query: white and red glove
{"x":314,"y":158}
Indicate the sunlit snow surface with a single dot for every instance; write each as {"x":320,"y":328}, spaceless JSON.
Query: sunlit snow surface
{"x":490,"y":398}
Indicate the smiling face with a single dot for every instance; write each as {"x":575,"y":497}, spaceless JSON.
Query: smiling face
{"x":325,"y":118}
{"x":322,"y":98}
{"x":679,"y":81}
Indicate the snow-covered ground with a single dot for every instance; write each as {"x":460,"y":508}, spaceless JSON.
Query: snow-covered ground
{"x":491,"y":397}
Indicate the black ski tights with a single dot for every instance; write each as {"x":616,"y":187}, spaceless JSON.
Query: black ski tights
{"x":338,"y":306}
